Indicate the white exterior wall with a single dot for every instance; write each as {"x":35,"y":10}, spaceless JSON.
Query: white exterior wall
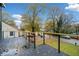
{"x":20,"y":33}
{"x":6,"y":29}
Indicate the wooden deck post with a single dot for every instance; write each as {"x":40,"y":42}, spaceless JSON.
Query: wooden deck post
{"x":28,"y":40}
{"x":58,"y":43}
{"x":34,"y":41}
{"x":43,"y":39}
{"x":26,"y":35}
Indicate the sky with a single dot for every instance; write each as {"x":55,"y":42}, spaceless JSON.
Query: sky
{"x":17,"y":9}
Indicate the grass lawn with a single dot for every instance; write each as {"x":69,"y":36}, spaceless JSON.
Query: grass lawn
{"x":67,"y":48}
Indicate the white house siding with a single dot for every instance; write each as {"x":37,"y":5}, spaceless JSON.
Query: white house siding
{"x":6,"y":29}
{"x":21,"y":33}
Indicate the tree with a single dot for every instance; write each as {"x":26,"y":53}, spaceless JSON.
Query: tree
{"x":60,"y":20}
{"x":64,"y":21}
{"x":27,"y":23}
{"x":48,"y":25}
{"x":32,"y":17}
{"x":53,"y":13}
{"x":32,"y":20}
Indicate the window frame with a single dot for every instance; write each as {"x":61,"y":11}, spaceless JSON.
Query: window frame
{"x":12,"y":33}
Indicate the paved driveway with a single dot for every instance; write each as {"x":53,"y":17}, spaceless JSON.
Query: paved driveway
{"x":72,"y":41}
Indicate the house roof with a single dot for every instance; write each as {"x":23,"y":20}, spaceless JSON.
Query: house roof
{"x":11,"y":25}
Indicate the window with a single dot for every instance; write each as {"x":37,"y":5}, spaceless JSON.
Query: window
{"x":11,"y":33}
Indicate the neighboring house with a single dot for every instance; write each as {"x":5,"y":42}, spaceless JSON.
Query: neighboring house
{"x":9,"y":31}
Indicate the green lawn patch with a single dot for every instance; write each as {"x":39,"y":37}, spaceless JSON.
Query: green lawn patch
{"x":67,"y":48}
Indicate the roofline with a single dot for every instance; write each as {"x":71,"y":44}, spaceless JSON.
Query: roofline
{"x":10,"y":25}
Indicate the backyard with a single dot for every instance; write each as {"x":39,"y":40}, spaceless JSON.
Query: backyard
{"x":39,"y":29}
{"x":50,"y":47}
{"x":65,"y":47}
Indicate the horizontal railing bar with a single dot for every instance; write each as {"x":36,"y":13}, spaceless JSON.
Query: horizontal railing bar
{"x":55,"y":33}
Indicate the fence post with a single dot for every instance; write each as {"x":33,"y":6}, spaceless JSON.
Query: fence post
{"x":43,"y":39}
{"x":34,"y":41}
{"x":58,"y":43}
